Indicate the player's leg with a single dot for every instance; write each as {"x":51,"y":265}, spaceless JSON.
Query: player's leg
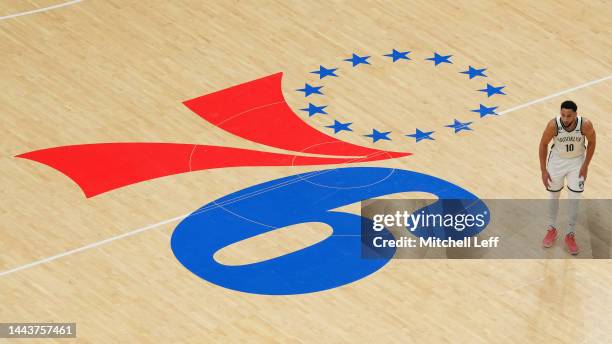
{"x":575,"y":186}
{"x":570,"y":235}
{"x":557,"y":173}
{"x":553,"y":210}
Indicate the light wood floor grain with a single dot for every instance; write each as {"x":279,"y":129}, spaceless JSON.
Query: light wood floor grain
{"x":118,"y":70}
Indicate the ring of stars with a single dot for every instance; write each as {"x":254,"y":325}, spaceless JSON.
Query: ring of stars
{"x":397,"y":56}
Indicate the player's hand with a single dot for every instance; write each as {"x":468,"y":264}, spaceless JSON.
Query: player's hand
{"x":584,"y":170}
{"x":546,"y":179}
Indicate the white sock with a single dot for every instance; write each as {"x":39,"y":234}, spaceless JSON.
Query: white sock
{"x":553,"y":208}
{"x":574,"y":200}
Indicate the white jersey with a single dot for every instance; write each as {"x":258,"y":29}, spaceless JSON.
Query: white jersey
{"x":568,"y":144}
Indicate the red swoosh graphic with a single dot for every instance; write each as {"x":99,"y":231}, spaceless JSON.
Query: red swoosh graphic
{"x":255,"y":111}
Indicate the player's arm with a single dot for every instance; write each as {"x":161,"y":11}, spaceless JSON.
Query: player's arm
{"x":589,"y":133}
{"x":547,"y":135}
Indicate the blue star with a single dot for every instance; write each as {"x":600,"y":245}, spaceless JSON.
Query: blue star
{"x":357,"y":60}
{"x":377,"y":135}
{"x":458,"y":126}
{"x":491,"y":90}
{"x":437,"y":58}
{"x":323,"y":72}
{"x":313,"y":109}
{"x":399,"y":55}
{"x":338,"y":127}
{"x":420,"y":135}
{"x":483,"y":110}
{"x":474,"y":72}
{"x":308,"y":90}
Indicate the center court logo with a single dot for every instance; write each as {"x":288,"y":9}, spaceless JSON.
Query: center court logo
{"x":256,"y":111}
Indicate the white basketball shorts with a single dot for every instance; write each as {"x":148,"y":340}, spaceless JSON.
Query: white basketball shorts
{"x":560,"y":169}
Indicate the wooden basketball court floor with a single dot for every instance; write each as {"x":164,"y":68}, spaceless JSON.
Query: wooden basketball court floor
{"x":97,"y":71}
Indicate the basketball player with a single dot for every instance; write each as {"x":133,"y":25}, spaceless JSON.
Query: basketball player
{"x":566,"y":161}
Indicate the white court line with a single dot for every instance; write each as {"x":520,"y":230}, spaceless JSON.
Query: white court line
{"x":556,"y":94}
{"x":155,"y":225}
{"x":44,"y":9}
{"x":92,"y":245}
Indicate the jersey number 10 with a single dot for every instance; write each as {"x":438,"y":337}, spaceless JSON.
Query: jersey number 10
{"x":569,"y":147}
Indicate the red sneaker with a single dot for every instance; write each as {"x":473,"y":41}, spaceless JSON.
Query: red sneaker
{"x":570,"y":242}
{"x":550,"y":237}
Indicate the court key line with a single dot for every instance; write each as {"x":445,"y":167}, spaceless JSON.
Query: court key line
{"x":44,"y":9}
{"x":174,"y":219}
